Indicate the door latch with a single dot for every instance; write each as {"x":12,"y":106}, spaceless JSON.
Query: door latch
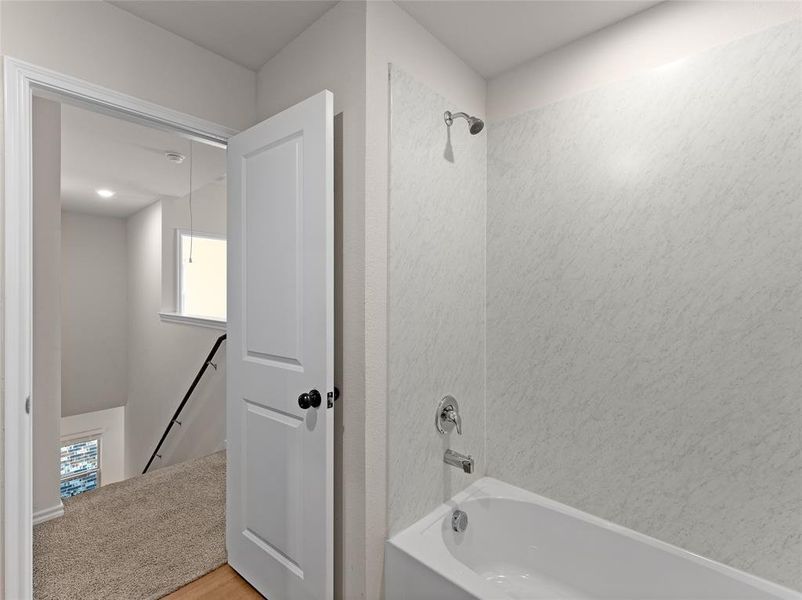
{"x":332,"y":397}
{"x":28,"y":405}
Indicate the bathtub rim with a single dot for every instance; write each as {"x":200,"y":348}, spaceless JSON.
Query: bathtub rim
{"x":415,"y":541}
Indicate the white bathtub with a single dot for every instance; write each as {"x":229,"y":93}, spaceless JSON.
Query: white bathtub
{"x":519,"y":545}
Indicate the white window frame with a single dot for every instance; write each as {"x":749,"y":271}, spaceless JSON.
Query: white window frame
{"x":179,"y":266}
{"x":84,"y":436}
{"x":178,"y":316}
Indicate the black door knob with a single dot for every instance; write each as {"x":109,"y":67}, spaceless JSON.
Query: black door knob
{"x":312,"y":399}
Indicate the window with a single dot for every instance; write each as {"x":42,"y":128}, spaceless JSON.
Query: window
{"x":201,"y":282}
{"x":80,"y":466}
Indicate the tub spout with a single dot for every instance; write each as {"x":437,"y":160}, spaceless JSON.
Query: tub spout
{"x":461,"y":461}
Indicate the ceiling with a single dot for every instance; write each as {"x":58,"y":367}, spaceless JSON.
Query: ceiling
{"x":103,"y":152}
{"x":99,"y":151}
{"x":495,"y":36}
{"x":492,"y":36}
{"x":248,"y":33}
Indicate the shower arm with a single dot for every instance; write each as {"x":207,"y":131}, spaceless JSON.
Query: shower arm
{"x":449,"y":117}
{"x":475,"y":124}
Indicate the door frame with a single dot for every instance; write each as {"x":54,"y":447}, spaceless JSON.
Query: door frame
{"x":22,"y":81}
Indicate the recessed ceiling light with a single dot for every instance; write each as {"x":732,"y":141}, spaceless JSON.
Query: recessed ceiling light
{"x":105,"y":193}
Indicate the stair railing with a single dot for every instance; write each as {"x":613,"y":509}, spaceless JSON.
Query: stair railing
{"x":186,"y":398}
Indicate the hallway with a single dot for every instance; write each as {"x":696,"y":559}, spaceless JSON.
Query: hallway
{"x":140,"y":538}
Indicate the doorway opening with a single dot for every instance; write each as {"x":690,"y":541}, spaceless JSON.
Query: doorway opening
{"x":129,"y":377}
{"x":279,"y":315}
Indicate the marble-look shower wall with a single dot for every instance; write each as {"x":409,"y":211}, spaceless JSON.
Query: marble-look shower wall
{"x":644,"y":311}
{"x":438,"y":191}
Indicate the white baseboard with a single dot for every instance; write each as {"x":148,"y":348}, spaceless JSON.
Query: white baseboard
{"x":40,"y":516}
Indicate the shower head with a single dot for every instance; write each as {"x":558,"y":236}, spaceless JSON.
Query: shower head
{"x":475,"y":124}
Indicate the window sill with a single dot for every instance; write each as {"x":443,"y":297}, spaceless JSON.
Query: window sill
{"x":168,"y":317}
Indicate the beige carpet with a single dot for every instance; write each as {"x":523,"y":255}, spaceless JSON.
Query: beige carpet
{"x":136,"y":539}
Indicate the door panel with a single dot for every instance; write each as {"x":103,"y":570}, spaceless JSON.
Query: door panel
{"x":279,"y":513}
{"x":275,"y":228}
{"x":275,"y":524}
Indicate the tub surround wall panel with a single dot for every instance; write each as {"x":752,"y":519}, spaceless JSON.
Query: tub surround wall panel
{"x":393,"y":37}
{"x":662,"y":34}
{"x":644,"y":342}
{"x":436,"y":295}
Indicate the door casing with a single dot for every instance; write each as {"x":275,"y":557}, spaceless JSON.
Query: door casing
{"x":22,"y":81}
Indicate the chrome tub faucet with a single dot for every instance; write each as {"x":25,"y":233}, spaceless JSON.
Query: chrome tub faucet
{"x":461,"y":461}
{"x":447,"y":418}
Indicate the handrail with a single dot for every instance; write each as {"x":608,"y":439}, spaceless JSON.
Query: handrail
{"x":191,"y":389}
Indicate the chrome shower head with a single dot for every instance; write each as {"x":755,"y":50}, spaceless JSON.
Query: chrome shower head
{"x":475,"y":124}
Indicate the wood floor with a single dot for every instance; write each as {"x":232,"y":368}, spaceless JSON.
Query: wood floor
{"x":223,"y":582}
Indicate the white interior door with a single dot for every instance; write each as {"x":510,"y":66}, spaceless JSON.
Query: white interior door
{"x":279,"y":488}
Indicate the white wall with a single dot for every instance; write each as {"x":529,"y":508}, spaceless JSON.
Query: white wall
{"x":94,"y":326}
{"x":163,"y":359}
{"x":46,"y":395}
{"x":663,"y":34}
{"x":330,"y":54}
{"x":348,"y":51}
{"x":110,"y":425}
{"x":2,"y":325}
{"x":101,"y":43}
{"x":105,"y":45}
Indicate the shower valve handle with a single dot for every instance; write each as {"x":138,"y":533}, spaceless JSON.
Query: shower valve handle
{"x":453,"y":416}
{"x":447,"y":415}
